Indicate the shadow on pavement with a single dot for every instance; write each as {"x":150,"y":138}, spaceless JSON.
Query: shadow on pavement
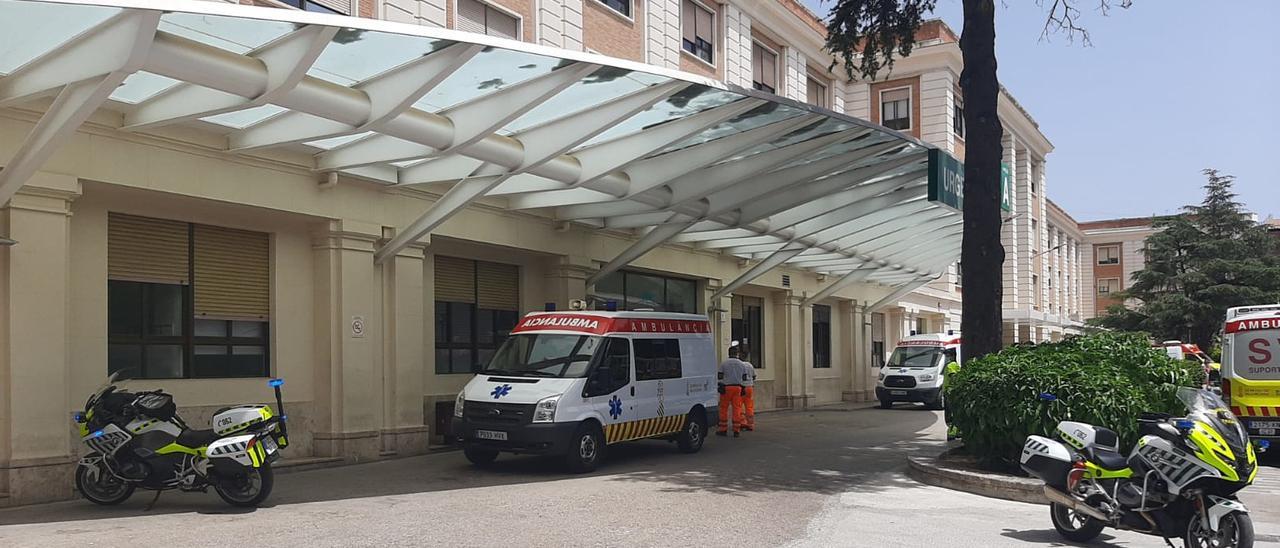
{"x":818,"y":451}
{"x":1050,"y":537}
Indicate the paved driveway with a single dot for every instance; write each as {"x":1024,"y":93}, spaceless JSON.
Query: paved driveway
{"x":817,"y":478}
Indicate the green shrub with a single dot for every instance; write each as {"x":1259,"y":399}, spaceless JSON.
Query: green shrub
{"x":1106,"y":379}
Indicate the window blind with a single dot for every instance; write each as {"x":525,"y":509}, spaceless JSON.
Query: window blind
{"x":142,"y":249}
{"x":498,"y":286}
{"x":455,"y":280}
{"x":232,"y":273}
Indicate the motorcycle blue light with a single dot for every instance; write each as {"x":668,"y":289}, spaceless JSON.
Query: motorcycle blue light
{"x":77,"y":416}
{"x":96,"y":434}
{"x":275,"y":382}
{"x":1184,"y":424}
{"x":1264,"y":444}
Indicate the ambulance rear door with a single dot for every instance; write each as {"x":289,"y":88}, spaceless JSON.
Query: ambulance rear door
{"x":1251,"y":344}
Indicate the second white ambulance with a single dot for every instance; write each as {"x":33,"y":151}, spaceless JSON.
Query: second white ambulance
{"x":915,"y":370}
{"x":574,"y":383}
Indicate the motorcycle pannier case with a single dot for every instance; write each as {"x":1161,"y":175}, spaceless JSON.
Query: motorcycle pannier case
{"x":1048,"y":460}
{"x":236,"y":419}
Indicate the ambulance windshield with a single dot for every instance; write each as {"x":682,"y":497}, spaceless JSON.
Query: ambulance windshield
{"x":544,"y":355}
{"x":919,"y":356}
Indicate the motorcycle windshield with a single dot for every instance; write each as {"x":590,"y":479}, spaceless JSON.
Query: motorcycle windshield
{"x":1207,"y":407}
{"x":111,"y":380}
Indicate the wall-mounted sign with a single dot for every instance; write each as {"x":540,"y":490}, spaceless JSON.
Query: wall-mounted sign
{"x":357,"y":326}
{"x":946,"y":181}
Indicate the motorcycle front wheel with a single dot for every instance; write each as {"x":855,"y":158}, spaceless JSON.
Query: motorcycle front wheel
{"x":99,"y":486}
{"x":247,"y":488}
{"x":1073,"y":525}
{"x":1235,"y":530}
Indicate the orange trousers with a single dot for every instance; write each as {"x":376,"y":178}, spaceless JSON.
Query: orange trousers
{"x":749,"y":401}
{"x":731,"y":398}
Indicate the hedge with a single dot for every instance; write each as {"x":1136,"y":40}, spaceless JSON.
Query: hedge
{"x":1107,"y":379}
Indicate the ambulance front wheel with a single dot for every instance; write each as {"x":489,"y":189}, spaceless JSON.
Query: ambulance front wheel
{"x":585,"y":448}
{"x":480,"y":456}
{"x":694,"y":432}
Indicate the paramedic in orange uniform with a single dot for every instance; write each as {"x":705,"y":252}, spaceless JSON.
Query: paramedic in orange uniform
{"x":748,"y":392}
{"x":733,"y":372}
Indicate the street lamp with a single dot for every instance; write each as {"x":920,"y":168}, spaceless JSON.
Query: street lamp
{"x":1047,"y":250}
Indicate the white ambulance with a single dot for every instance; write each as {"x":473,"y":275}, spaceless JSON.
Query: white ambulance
{"x":572,"y":383}
{"x":915,"y":370}
{"x":1251,"y":368}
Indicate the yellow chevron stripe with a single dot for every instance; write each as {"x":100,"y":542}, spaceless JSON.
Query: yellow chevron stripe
{"x":608,"y":433}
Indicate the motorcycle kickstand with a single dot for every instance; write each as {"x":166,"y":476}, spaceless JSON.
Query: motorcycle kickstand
{"x":152,"y":504}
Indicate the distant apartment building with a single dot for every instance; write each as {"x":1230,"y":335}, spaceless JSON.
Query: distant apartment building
{"x":1114,"y":250}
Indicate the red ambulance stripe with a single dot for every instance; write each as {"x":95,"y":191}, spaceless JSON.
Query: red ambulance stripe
{"x":1266,"y":411}
{"x":1253,"y":325}
{"x":1237,"y":411}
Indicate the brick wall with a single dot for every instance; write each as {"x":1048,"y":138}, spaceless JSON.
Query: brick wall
{"x":694,"y":64}
{"x":610,"y":33}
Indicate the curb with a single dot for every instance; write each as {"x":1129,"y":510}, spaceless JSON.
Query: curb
{"x":928,"y":470}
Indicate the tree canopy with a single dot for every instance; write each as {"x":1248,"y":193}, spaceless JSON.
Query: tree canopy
{"x":1202,"y":262}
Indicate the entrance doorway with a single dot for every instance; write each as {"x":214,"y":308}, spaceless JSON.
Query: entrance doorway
{"x":747,"y":327}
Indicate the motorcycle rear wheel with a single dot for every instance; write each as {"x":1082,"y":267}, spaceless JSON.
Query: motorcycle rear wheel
{"x":105,"y":489}
{"x":248,"y":488}
{"x":1073,"y":525}
{"x":1235,"y":530}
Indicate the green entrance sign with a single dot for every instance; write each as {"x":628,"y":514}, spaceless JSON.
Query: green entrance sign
{"x":946,"y":181}
{"x":1006,"y":187}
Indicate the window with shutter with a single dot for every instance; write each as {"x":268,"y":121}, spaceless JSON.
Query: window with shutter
{"x":186,"y":300}
{"x":698,"y":30}
{"x":817,"y":92}
{"x":764,"y":68}
{"x":477,"y":305}
{"x":478,"y":17}
{"x":895,"y":109}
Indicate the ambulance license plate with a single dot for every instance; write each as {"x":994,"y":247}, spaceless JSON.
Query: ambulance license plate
{"x":898,"y":392}
{"x":1266,"y":431}
{"x":1271,"y":425}
{"x":491,"y":435}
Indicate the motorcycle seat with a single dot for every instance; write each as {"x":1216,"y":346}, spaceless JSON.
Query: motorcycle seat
{"x":1106,"y":458}
{"x":196,"y":438}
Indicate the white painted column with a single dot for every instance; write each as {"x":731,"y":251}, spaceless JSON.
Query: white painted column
{"x":1016,"y":274}
{"x":837,"y":96}
{"x":857,"y":99}
{"x":418,"y":12}
{"x":937,"y":99}
{"x":560,"y":23}
{"x":662,"y":33}
{"x":737,"y":46}
{"x":793,"y":75}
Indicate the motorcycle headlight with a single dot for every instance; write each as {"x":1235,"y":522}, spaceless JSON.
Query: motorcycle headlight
{"x":545,"y":409}
{"x":458,"y":403}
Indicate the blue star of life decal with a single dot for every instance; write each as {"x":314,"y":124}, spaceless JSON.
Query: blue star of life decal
{"x":615,"y":408}
{"x":500,"y":391}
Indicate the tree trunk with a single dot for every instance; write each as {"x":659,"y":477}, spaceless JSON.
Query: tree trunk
{"x":981,"y":253}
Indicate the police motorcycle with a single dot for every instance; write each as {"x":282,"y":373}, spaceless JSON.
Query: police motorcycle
{"x":136,"y":439}
{"x":1179,"y":481}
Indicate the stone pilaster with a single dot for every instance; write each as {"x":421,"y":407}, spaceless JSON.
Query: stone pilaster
{"x":567,"y":279}
{"x":662,"y":33}
{"x":348,"y":334}
{"x":737,"y":46}
{"x":36,"y":454}
{"x":403,"y":427}
{"x":560,"y":23}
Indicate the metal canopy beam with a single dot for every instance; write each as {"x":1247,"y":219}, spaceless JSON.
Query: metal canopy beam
{"x":646,"y":243}
{"x":769,"y":263}
{"x":542,"y":142}
{"x":286,"y":60}
{"x":390,"y":94}
{"x":121,"y":43}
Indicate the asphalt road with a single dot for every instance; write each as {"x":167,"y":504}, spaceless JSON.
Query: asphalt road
{"x":815,"y":478}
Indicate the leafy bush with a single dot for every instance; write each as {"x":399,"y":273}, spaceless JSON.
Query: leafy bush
{"x":1106,"y":379}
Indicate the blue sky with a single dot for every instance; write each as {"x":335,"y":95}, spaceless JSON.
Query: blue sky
{"x":1169,"y":87}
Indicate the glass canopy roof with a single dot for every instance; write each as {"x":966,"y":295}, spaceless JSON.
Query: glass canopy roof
{"x":579,"y":137}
